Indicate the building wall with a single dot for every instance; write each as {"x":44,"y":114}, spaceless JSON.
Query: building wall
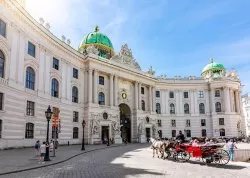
{"x":246,"y":112}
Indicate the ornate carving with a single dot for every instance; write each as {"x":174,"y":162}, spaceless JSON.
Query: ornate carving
{"x":92,"y":50}
{"x":95,"y":127}
{"x":151,"y":71}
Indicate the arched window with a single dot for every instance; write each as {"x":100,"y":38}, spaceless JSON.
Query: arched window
{"x":222,"y":133}
{"x":218,"y":107}
{"x":74,"y":94}
{"x":101,"y":98}
{"x":29,"y":130}
{"x":186,"y":108}
{"x":158,"y":108}
{"x":202,"y":108}
{"x":143,"y":105}
{"x":203,"y":133}
{"x":54,"y":88}
{"x":75,"y":132}
{"x":1,"y":125}
{"x":172,"y":108}
{"x":30,"y":78}
{"x":2,"y":61}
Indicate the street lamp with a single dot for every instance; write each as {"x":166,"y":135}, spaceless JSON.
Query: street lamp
{"x":83,"y":125}
{"x":48,"y":115}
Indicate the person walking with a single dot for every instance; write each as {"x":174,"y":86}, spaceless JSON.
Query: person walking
{"x":37,"y":148}
{"x":42,"y":153}
{"x":230,"y":147}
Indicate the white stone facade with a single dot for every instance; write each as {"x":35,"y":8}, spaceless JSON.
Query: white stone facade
{"x":246,"y":111}
{"x":123,"y":80}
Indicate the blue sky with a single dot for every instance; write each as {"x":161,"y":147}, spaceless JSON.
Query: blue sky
{"x":176,"y":37}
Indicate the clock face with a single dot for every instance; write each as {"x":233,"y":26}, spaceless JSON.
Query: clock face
{"x":124,"y":95}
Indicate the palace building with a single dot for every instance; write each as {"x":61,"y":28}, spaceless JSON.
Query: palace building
{"x":106,"y":89}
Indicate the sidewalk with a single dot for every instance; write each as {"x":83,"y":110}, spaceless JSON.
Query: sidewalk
{"x":16,"y":160}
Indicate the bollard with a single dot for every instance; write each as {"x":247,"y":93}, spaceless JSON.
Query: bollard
{"x":68,"y":143}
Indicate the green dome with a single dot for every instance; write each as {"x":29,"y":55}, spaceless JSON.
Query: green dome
{"x":213,"y":66}
{"x":99,"y":40}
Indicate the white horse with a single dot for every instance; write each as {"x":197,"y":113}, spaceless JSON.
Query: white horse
{"x":157,"y":146}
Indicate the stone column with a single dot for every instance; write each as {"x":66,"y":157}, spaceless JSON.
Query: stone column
{"x":95,"y":86}
{"x":226,"y":99}
{"x":150,"y":98}
{"x":116,"y":89}
{"x":154,"y":104}
{"x":136,"y":95}
{"x":90,"y":85}
{"x":212,"y":103}
{"x":139,"y":98}
{"x":166,"y":102}
{"x":111,"y":93}
{"x":163,"y":102}
{"x":237,"y":94}
{"x":192,"y":104}
{"x":231,"y":99}
{"x":196,"y":107}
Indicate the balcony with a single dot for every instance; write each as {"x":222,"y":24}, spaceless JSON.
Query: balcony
{"x":3,"y":81}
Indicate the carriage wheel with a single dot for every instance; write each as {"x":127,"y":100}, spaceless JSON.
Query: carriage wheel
{"x":221,"y":157}
{"x":183,"y":156}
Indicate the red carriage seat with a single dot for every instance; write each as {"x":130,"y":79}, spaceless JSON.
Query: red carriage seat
{"x":196,"y":150}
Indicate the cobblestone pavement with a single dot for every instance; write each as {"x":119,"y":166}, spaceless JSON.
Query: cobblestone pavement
{"x":133,"y":160}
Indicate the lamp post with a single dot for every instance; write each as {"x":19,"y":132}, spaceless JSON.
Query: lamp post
{"x":48,"y":115}
{"x":83,"y":125}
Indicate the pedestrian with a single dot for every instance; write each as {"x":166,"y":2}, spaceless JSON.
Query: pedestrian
{"x":230,"y":147}
{"x":37,"y":148}
{"x":51,"y":146}
{"x":42,"y":153}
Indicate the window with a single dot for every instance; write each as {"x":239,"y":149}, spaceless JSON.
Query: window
{"x":188,"y":123}
{"x":201,"y":94}
{"x":185,"y":94}
{"x":157,"y":94}
{"x":29,"y":130}
{"x":30,"y":110}
{"x":55,"y":63}
{"x":1,"y":101}
{"x":172,"y":108}
{"x":31,"y":49}
{"x":173,"y":133}
{"x":221,"y":121}
{"x":218,"y":107}
{"x":186,"y":108}
{"x":203,"y":133}
{"x":142,"y":90}
{"x":75,"y":116}
{"x":74,"y":94}
{"x":75,"y":73}
{"x":75,"y":132}
{"x":188,"y":133}
{"x":101,"y":80}
{"x":2,"y":28}
{"x":30,"y":78}
{"x":202,"y":108}
{"x":159,"y":123}
{"x":158,"y":108}
{"x":2,"y":62}
{"x":101,"y":98}
{"x":143,"y":105}
{"x":203,"y":122}
{"x":173,"y":123}
{"x":54,"y":88}
{"x":217,"y":93}
{"x":160,"y":133}
{"x":171,"y":94}
{"x":222,"y":133}
{"x":1,"y":126}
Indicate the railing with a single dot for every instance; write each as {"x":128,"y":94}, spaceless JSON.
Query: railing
{"x":3,"y":81}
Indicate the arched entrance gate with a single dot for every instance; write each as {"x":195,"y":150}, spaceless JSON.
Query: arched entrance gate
{"x":125,"y":122}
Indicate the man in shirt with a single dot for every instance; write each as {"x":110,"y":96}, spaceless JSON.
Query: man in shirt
{"x":230,"y":147}
{"x":42,"y":152}
{"x":180,"y":137}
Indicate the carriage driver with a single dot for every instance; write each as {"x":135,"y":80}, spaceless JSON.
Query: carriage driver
{"x":180,"y":137}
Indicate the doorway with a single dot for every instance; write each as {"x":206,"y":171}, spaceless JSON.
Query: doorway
{"x":125,"y":122}
{"x":148,"y":134}
{"x":105,"y":134}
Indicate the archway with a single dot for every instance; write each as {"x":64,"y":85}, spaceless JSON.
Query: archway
{"x":125,"y":121}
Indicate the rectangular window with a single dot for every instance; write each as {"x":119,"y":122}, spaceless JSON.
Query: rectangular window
{"x":173,"y":123}
{"x":31,"y":49}
{"x":157,"y":94}
{"x":1,"y":101}
{"x":203,"y":133}
{"x":1,"y":125}
{"x":159,"y":123}
{"x":101,"y":80}
{"x":75,"y":116}
{"x":203,"y":122}
{"x":142,"y":90}
{"x":171,"y":94}
{"x":188,"y":123}
{"x":201,"y":94}
{"x":75,"y":73}
{"x":217,"y":93}
{"x":75,"y":132}
{"x":188,"y":133}
{"x":185,"y":94}
{"x":221,"y":121}
{"x":30,"y":110}
{"x":29,"y":130}
{"x":2,"y":28}
{"x":55,"y":63}
{"x":173,"y":133}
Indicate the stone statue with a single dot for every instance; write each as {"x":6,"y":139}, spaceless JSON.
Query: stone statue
{"x":95,"y":127}
{"x":150,"y":71}
{"x":140,"y":129}
{"x":92,"y":50}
